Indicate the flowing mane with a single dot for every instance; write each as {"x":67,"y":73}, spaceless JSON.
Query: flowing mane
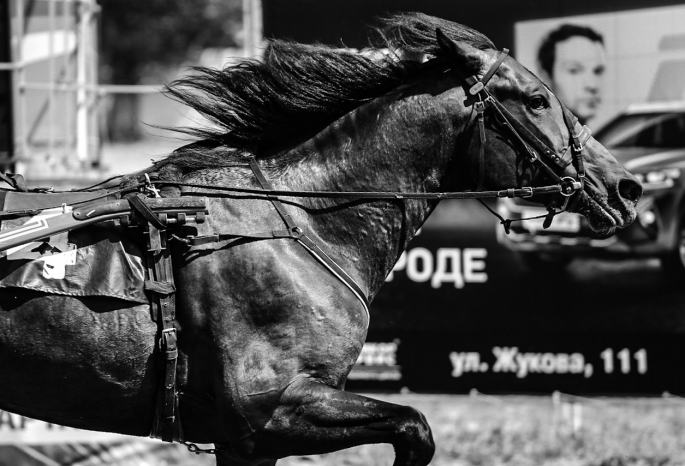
{"x":298,"y":87}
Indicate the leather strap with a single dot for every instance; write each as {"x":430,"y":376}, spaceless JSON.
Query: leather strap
{"x":219,"y":237}
{"x":143,"y":209}
{"x":493,"y":69}
{"x":264,"y":183}
{"x":160,"y":285}
{"x":298,"y":234}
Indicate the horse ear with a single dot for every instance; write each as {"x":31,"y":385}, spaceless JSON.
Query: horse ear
{"x":464,"y":56}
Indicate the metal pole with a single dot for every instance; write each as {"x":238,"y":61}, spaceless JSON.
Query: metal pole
{"x":67,"y":75}
{"x":21,"y":80}
{"x":7,"y":90}
{"x":51,"y":80}
{"x":252,"y":27}
{"x":247,"y":23}
{"x":83,"y":19}
{"x":94,"y":143}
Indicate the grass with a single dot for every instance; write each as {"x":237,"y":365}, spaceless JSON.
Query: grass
{"x":468,"y":431}
{"x":530,"y":430}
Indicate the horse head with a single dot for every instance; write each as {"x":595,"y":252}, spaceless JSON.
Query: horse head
{"x":527,"y":137}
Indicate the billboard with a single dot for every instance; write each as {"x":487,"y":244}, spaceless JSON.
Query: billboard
{"x":641,"y":56}
{"x":462,"y":312}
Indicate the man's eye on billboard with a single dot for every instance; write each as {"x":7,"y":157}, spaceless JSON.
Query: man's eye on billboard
{"x":572,"y":61}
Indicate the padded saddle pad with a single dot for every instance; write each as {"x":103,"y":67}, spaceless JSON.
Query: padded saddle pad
{"x":99,"y":260}
{"x":11,"y":200}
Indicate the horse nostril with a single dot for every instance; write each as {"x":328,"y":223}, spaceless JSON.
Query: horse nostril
{"x":630,"y":189}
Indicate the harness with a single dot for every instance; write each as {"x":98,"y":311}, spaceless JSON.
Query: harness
{"x":538,"y":152}
{"x":142,"y":206}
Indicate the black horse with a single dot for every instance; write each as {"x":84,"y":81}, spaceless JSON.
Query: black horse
{"x":267,"y":334}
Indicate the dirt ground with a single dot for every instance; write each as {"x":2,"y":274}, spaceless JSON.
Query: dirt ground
{"x":536,"y":430}
{"x":477,"y":430}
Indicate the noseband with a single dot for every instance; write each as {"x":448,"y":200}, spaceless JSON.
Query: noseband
{"x":537,"y":151}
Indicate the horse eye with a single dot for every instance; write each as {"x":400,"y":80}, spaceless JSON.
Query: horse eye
{"x":537,"y":102}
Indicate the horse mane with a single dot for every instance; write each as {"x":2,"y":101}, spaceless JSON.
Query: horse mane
{"x":297,"y":87}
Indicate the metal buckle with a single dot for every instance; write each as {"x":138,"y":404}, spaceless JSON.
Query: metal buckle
{"x":296,"y":232}
{"x":168,"y":334}
{"x":529,"y":191}
{"x":575,"y":186}
{"x":584,"y":134}
{"x":150,"y":188}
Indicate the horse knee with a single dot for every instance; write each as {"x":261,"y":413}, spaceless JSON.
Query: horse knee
{"x":415,"y":438}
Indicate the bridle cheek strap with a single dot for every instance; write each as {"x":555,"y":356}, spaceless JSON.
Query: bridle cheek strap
{"x":535,"y":148}
{"x":477,"y":87}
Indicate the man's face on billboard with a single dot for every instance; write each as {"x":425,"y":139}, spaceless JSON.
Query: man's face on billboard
{"x":577,"y":75}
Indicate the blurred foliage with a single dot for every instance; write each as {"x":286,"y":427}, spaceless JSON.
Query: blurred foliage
{"x":141,"y":40}
{"x":137,"y":38}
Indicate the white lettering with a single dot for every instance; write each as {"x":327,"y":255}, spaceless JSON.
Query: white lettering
{"x":444,"y":273}
{"x":473,"y":263}
{"x":452,"y":265}
{"x":527,"y":363}
{"x":423,"y":273}
{"x":465,"y":362}
{"x":505,"y":359}
{"x":378,"y":354}
{"x":548,"y":363}
{"x":576,"y":364}
{"x":562,"y":363}
{"x":523,"y":364}
{"x":54,"y":266}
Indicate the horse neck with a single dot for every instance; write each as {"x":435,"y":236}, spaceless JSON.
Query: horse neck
{"x":387,"y":145}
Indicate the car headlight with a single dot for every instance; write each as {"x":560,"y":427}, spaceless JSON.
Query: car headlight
{"x":658,"y":179}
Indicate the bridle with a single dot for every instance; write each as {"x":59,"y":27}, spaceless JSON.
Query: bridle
{"x":537,"y":151}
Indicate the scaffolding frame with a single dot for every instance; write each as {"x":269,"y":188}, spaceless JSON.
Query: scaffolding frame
{"x":69,"y":95}
{"x":60,"y":136}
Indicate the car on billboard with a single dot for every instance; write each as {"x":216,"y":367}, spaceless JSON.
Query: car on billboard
{"x":649,"y":140}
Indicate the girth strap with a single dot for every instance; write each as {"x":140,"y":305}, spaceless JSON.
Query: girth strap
{"x":160,"y":287}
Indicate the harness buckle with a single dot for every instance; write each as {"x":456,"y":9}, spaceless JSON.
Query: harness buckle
{"x":296,"y":232}
{"x":583,"y":137}
{"x":528,"y":192}
{"x":167,"y":343}
{"x":151,"y":188}
{"x":569,"y":186}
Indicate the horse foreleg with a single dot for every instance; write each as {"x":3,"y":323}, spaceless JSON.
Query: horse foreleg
{"x":312,"y":418}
